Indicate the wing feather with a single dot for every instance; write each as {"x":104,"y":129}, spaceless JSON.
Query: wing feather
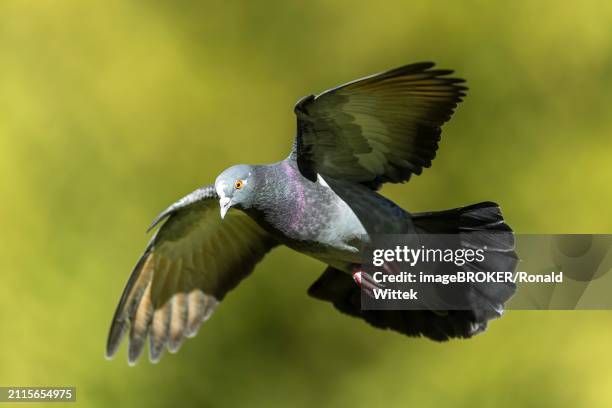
{"x":159,"y":331}
{"x":140,"y":325}
{"x":382,"y":128}
{"x":190,"y":264}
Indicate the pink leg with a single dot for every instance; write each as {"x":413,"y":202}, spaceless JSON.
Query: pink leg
{"x":357,"y":276}
{"x":364,"y":280}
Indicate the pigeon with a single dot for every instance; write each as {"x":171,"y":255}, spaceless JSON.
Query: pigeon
{"x":323,"y":201}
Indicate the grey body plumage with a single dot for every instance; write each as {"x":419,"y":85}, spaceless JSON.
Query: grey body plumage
{"x":322,"y":201}
{"x":327,"y":219}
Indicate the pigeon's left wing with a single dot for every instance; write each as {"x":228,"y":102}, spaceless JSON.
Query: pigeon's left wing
{"x":190,"y":264}
{"x":382,"y":128}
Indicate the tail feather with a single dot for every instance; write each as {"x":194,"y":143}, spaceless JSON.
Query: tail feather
{"x":479,"y":225}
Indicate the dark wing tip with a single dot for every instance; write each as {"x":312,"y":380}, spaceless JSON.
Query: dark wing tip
{"x":410,"y":68}
{"x":119,"y":323}
{"x":114,"y":338}
{"x":135,"y":348}
{"x":416,"y":68}
{"x":413,"y":73}
{"x":116,"y":332}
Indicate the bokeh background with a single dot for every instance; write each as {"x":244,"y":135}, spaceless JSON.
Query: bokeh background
{"x":111,"y":110}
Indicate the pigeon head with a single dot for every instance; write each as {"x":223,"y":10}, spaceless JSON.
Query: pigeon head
{"x":235,"y":187}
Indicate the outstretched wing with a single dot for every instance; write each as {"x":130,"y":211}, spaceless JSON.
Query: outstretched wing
{"x":192,"y":261}
{"x":382,"y":128}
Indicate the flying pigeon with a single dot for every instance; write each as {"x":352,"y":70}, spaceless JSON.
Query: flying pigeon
{"x":322,"y":201}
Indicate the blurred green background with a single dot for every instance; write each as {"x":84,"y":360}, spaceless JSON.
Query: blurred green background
{"x":109,"y":111}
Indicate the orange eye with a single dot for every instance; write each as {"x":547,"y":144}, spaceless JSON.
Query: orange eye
{"x":238,"y":184}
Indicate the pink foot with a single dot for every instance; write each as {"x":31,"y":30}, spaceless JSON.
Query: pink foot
{"x":365,"y":281}
{"x":357,"y":276}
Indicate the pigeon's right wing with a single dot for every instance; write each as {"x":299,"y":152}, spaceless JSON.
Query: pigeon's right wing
{"x":190,"y":264}
{"x":382,"y":128}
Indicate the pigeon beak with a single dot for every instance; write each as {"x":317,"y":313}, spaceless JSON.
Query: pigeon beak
{"x":225,"y":203}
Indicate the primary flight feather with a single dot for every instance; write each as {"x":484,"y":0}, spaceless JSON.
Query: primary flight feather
{"x":321,"y":201}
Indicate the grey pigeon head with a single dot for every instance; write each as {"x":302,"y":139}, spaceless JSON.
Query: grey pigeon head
{"x":235,"y":187}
